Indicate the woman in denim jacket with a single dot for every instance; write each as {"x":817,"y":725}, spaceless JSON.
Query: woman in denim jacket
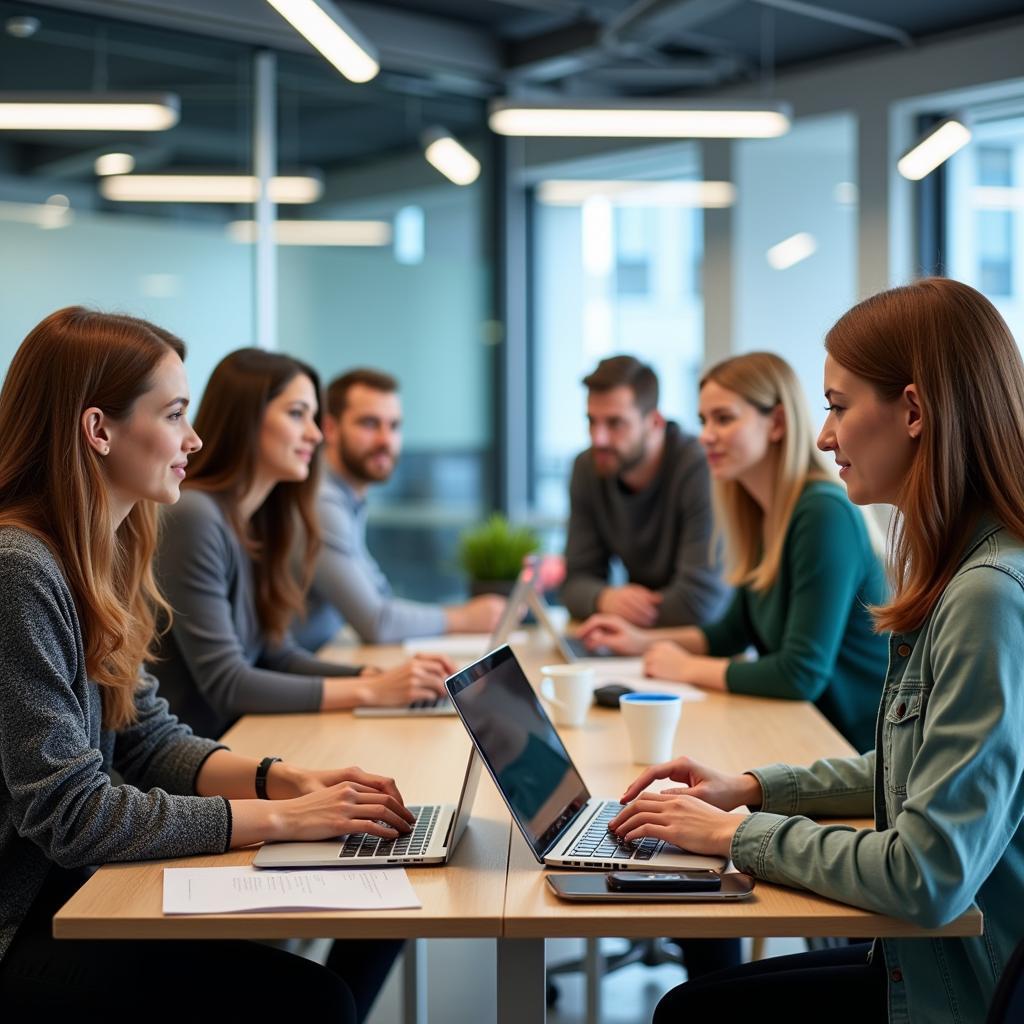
{"x":926,"y":411}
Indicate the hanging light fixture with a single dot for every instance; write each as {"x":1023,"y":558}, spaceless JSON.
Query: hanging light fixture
{"x":88,"y":112}
{"x":934,"y":149}
{"x":327,"y":29}
{"x":650,"y":119}
{"x":444,"y":152}
{"x":207,"y":188}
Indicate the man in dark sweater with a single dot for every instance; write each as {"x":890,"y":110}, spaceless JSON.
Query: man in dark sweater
{"x":641,"y":492}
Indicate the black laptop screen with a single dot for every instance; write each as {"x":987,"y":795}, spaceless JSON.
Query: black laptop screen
{"x":520,"y":746}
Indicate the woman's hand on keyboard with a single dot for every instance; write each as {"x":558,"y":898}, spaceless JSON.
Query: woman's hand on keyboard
{"x":681,"y":819}
{"x":339,"y":810}
{"x":614,"y":633}
{"x":420,"y":678}
{"x":720,"y":789}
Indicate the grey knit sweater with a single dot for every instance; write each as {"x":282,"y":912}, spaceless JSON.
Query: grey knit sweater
{"x":57,"y":802}
{"x":215,"y":663}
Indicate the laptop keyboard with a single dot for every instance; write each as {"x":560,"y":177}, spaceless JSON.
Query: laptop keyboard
{"x":360,"y":844}
{"x":597,"y":841}
{"x":437,"y":702}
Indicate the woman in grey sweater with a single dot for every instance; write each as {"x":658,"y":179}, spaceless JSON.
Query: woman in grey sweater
{"x":224,"y":560}
{"x":93,"y":417}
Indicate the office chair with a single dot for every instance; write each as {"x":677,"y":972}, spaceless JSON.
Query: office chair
{"x":1008,"y":1001}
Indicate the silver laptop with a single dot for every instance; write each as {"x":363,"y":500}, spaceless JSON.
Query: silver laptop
{"x":524,"y":597}
{"x":561,"y":822}
{"x":433,"y":839}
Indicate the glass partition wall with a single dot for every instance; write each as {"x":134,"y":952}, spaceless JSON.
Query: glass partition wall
{"x":382,"y":262}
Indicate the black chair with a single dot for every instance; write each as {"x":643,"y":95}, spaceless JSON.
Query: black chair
{"x":1008,"y":1002}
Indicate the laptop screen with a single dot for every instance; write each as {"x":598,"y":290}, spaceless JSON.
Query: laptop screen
{"x":520,"y":746}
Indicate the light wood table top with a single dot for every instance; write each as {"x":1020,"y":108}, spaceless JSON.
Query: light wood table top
{"x":494,"y":887}
{"x":426,"y":757}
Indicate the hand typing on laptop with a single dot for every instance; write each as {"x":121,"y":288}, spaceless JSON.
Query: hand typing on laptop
{"x":421,"y":678}
{"x":696,"y":816}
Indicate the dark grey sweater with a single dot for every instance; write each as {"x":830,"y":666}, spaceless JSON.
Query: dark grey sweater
{"x":215,"y":663}
{"x":57,"y":803}
{"x":662,"y":534}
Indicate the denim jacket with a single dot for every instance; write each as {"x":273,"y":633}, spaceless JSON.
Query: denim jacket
{"x":946,"y":782}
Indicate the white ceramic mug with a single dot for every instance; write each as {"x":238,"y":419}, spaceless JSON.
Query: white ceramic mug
{"x":568,"y":690}
{"x":651,"y":720}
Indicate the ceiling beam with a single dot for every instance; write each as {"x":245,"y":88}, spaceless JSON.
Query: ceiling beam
{"x":407,"y":41}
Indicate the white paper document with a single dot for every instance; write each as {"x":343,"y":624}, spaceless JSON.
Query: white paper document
{"x":460,"y":645}
{"x":630,"y":672}
{"x":239,"y":889}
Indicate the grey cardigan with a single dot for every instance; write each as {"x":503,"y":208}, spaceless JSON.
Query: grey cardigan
{"x":215,"y":663}
{"x":57,"y":802}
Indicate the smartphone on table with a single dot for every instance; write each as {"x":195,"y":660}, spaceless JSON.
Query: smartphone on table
{"x":651,"y":886}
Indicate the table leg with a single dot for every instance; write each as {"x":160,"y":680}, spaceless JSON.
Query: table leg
{"x":414,"y":982}
{"x":522,"y":988}
{"x":594,"y":972}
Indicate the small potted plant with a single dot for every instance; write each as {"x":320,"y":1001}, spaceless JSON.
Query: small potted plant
{"x":492,"y":554}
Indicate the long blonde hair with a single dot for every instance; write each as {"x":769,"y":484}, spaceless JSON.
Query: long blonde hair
{"x":53,"y":485}
{"x":951,"y":342}
{"x":753,"y":543}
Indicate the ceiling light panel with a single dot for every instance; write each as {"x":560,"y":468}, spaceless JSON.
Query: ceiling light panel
{"x":87,"y":112}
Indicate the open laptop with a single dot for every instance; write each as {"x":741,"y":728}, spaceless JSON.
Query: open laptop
{"x":561,"y":822}
{"x":433,"y":839}
{"x":524,"y":597}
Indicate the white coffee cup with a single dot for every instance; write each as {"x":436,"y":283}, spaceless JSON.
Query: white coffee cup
{"x":568,"y":690}
{"x":651,"y":720}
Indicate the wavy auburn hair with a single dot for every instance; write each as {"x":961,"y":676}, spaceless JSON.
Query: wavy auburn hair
{"x":949,"y":341}
{"x":52,"y":483}
{"x":753,"y":546}
{"x":229,"y":421}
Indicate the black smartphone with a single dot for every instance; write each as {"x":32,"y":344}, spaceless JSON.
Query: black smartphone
{"x":664,"y":881}
{"x":592,"y":886}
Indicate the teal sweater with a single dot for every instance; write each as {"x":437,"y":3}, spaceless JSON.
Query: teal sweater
{"x":811,"y":628}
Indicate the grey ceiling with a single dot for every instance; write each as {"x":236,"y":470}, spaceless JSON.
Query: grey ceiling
{"x":441,"y":60}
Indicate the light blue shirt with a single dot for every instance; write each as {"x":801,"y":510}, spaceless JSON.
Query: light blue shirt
{"x":946,"y":782}
{"x":349,"y":585}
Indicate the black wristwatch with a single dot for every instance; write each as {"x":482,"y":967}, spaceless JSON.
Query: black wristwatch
{"x":261,"y":776}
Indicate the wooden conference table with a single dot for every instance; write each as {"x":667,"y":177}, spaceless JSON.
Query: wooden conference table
{"x":494,"y":888}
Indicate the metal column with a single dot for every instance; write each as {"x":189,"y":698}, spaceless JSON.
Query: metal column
{"x":264,"y":169}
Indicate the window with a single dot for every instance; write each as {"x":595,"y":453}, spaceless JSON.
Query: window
{"x":616,"y":269}
{"x":983,"y":215}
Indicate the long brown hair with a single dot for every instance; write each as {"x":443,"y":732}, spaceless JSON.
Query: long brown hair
{"x":229,"y":420}
{"x":949,"y":341}
{"x":52,"y":482}
{"x":753,"y":543}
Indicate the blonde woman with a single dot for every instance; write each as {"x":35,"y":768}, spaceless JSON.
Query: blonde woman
{"x":797,"y":551}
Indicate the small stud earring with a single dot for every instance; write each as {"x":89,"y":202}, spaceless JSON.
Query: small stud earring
{"x":106,"y":451}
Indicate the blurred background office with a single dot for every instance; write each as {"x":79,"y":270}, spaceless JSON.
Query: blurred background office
{"x":491,"y":295}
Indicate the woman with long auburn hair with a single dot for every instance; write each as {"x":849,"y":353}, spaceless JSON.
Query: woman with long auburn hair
{"x":224,"y":559}
{"x":925,"y":387}
{"x":93,"y":414}
{"x":798,"y":553}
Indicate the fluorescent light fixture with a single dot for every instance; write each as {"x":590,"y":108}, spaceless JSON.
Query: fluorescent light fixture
{"x":317,"y":232}
{"x":575,"y":192}
{"x":650,"y":119}
{"x":330,"y":32}
{"x":997,"y":197}
{"x":87,"y":112}
{"x":114,"y":163}
{"x":791,"y":251}
{"x":207,"y":188}
{"x":934,"y":149}
{"x":450,"y":157}
{"x":48,"y":215}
